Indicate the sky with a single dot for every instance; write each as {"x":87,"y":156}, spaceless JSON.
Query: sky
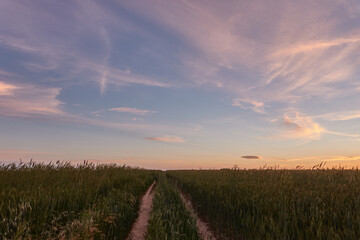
{"x":181,"y":84}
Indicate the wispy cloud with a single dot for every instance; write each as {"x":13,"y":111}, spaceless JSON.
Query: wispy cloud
{"x":133,"y":111}
{"x":260,"y":55}
{"x":169,"y":139}
{"x":19,"y":44}
{"x":315,"y":68}
{"x":219,"y":49}
{"x":54,"y":58}
{"x":301,"y":127}
{"x":294,"y":125}
{"x":65,"y":53}
{"x":120,"y":77}
{"x":311,"y":46}
{"x":33,"y":101}
{"x":324,"y":158}
{"x":7,"y":89}
{"x":17,"y":154}
{"x":103,"y":80}
{"x":273,"y":56}
{"x":252,"y":157}
{"x":27,"y":100}
{"x":5,"y":73}
{"x":297,"y":126}
{"x":256,"y":106}
{"x":340,"y":116}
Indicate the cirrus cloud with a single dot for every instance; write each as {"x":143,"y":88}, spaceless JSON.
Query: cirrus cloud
{"x":341,"y":116}
{"x":298,"y":126}
{"x":133,"y":111}
{"x":7,"y":89}
{"x":25,"y":100}
{"x":169,"y":139}
{"x":246,"y":103}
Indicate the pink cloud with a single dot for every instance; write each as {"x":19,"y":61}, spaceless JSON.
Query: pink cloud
{"x":169,"y":139}
{"x":18,"y":44}
{"x":300,"y":62}
{"x":132,"y":111}
{"x":7,"y":89}
{"x":299,"y":126}
{"x":340,"y":116}
{"x":5,"y":73}
{"x":31,"y":101}
{"x":245,"y":103}
{"x":17,"y":154}
{"x":26,"y":100}
{"x":324,"y":158}
{"x":106,"y":75}
{"x":312,"y":46}
{"x":311,"y":68}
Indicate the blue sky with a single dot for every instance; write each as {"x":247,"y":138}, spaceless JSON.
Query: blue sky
{"x":181,"y":84}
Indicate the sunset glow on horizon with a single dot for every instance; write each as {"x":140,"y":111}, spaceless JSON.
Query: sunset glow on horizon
{"x":181,"y":84}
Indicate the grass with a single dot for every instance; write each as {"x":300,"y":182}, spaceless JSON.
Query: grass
{"x":87,"y":201}
{"x":58,"y":201}
{"x":277,"y":204}
{"x":169,"y":219}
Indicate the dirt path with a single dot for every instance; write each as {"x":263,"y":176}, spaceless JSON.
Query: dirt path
{"x":201,"y":225}
{"x":139,"y":228}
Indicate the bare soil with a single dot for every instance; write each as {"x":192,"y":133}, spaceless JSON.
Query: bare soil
{"x":139,"y":228}
{"x":202,"y":226}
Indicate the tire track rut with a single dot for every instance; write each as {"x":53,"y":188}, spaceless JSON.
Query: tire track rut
{"x":139,"y":229}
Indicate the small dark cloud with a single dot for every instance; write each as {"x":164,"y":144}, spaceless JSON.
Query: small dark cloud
{"x":252,"y":157}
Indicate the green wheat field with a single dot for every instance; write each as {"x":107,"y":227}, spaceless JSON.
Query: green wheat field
{"x":88,"y":201}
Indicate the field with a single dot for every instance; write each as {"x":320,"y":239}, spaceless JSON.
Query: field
{"x":64,"y":202}
{"x":61,"y":201}
{"x":170,"y":218}
{"x":277,"y":204}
